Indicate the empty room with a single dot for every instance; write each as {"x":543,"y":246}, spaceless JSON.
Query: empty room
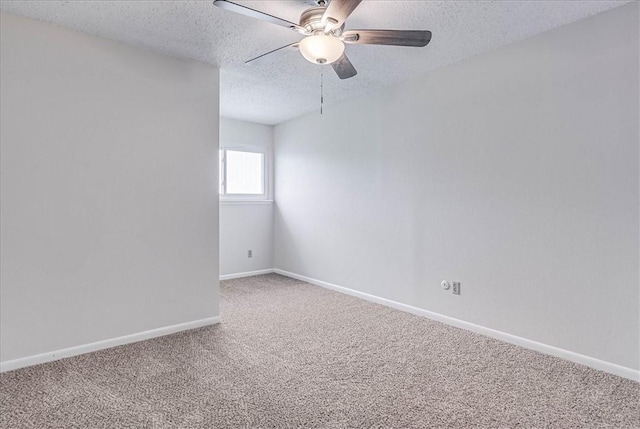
{"x":319,"y":214}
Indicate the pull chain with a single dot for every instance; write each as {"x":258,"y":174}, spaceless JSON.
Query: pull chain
{"x":321,"y":90}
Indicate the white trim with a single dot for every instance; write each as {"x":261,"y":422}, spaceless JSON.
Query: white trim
{"x":601,"y":365}
{"x":244,"y":202}
{"x":247,"y":274}
{"x":253,"y":148}
{"x":10,"y":365}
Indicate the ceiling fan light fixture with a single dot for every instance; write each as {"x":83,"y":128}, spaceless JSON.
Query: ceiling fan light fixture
{"x":324,"y":28}
{"x":321,"y":48}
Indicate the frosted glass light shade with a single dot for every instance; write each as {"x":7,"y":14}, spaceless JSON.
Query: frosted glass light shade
{"x":321,"y":49}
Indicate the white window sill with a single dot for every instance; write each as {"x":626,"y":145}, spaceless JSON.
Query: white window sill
{"x":244,"y":202}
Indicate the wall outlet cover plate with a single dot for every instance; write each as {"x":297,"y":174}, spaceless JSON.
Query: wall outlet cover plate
{"x":456,"y":288}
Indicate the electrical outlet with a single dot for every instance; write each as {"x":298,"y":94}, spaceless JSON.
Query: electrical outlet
{"x":250,"y":253}
{"x":456,"y":288}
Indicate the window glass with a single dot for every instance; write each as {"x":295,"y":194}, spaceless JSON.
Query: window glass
{"x":243,"y":173}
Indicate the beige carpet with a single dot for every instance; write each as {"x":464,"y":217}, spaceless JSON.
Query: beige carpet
{"x":289,"y":354}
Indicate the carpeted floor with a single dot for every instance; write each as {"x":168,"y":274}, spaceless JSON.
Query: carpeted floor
{"x":288,"y":354}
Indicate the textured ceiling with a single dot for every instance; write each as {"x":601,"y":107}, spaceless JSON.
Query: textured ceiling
{"x":285,"y":87}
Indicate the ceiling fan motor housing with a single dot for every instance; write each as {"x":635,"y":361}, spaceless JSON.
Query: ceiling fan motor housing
{"x":311,"y":20}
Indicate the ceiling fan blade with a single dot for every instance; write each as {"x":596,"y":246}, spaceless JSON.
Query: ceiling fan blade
{"x":339,"y":11}
{"x":388,"y":37}
{"x":343,"y":67}
{"x":279,"y":51}
{"x":247,"y":11}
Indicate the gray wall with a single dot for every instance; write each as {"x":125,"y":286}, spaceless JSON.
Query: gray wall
{"x":109,"y":197}
{"x":246,"y":225}
{"x":515,"y":173}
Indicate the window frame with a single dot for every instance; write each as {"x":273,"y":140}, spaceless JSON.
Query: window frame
{"x":239,"y":198}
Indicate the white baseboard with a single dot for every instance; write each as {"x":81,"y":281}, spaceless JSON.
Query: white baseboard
{"x":247,"y":274}
{"x":611,"y":368}
{"x":105,"y":344}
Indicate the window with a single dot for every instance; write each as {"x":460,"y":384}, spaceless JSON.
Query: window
{"x":242,"y":174}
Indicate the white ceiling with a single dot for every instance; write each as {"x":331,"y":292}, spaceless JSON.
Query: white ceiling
{"x":286,"y":87}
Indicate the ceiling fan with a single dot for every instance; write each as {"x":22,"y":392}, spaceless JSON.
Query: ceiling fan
{"x":325,"y":37}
